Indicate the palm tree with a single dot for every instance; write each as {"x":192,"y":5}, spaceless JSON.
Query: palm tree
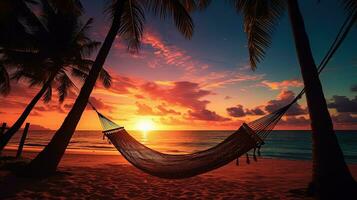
{"x":127,"y":21}
{"x":12,"y":33}
{"x":330,"y":172}
{"x":57,"y":54}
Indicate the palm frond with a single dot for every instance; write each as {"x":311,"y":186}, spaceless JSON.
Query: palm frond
{"x":132,"y":23}
{"x":190,"y":5}
{"x":81,"y":33}
{"x":32,"y":77}
{"x":4,"y":81}
{"x":64,"y":85}
{"x":105,"y":78}
{"x":16,"y":21}
{"x":175,"y":9}
{"x":260,"y":20}
{"x":79,"y":74}
{"x":202,"y":4}
{"x":68,"y":6}
{"x":48,"y":94}
{"x":350,"y":6}
{"x":88,"y":48}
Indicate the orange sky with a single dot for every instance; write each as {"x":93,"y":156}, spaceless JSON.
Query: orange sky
{"x":167,"y":105}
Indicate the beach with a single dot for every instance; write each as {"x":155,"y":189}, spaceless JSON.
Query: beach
{"x":98,"y":176}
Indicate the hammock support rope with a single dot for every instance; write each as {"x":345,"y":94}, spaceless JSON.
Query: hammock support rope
{"x":248,"y":137}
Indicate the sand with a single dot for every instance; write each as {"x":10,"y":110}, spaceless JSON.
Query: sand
{"x":86,"y":176}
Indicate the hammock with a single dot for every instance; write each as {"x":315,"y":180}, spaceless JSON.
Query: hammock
{"x":185,"y":165}
{"x":188,"y":165}
{"x":248,"y":137}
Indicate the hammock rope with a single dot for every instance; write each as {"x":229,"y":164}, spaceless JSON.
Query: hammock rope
{"x":248,"y":137}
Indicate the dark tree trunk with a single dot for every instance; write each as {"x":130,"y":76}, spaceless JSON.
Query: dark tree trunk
{"x":17,"y":125}
{"x":47,"y":160}
{"x":331,"y":177}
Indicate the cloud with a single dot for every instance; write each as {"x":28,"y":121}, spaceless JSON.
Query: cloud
{"x":172,"y":121}
{"x":38,"y":127}
{"x":21,"y":89}
{"x":239,"y":111}
{"x":341,"y":121}
{"x":255,"y":111}
{"x":99,"y":104}
{"x":49,"y":107}
{"x":284,"y":98}
{"x":164,"y":111}
{"x":143,"y":109}
{"x":283,"y":84}
{"x":168,"y":54}
{"x":183,"y":93}
{"x":8,"y":103}
{"x":121,"y":84}
{"x":354,"y":88}
{"x":227,"y":97}
{"x":220,"y":79}
{"x":293,"y":121}
{"x":343,"y":104}
{"x":344,"y":118}
{"x":236,"y":111}
{"x":206,"y":115}
{"x":138,"y":96}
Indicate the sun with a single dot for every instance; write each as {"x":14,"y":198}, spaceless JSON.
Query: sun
{"x":145,"y":125}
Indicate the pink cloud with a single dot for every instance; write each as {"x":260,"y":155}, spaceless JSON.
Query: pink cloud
{"x":167,"y":54}
{"x":184,"y":93}
{"x":220,"y":79}
{"x":121,"y":84}
{"x":282,"y":84}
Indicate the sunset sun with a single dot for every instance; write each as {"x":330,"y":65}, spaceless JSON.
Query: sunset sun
{"x":145,"y":125}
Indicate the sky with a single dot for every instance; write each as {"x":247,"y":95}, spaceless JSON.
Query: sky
{"x":206,"y":83}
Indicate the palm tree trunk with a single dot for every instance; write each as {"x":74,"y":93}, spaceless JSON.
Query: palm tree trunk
{"x":17,"y":125}
{"x":47,"y":160}
{"x":330,"y":172}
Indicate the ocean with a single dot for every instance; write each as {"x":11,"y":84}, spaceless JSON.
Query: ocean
{"x":292,"y":145}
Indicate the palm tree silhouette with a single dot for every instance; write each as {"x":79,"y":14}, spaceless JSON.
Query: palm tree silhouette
{"x":128,"y":18}
{"x":330,"y":172}
{"x":57,"y":54}
{"x":13,"y":34}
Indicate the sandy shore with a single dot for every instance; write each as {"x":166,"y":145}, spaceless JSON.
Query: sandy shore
{"x":85,"y":176}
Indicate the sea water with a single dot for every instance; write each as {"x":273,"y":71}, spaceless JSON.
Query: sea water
{"x":293,"y":145}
